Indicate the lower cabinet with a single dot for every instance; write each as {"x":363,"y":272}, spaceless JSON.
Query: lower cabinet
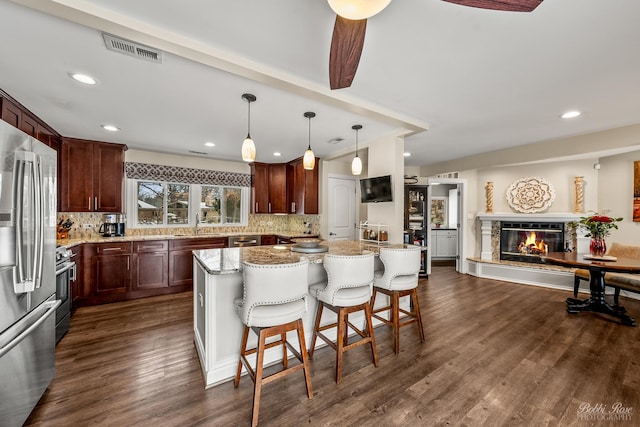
{"x":150,"y":265}
{"x":445,"y":243}
{"x":181,"y":258}
{"x":109,"y":269}
{"x":77,"y":278}
{"x":268,"y":239}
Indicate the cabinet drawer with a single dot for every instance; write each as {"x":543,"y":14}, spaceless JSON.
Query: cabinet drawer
{"x":151,"y":246}
{"x":204,"y":243}
{"x":113,"y":248}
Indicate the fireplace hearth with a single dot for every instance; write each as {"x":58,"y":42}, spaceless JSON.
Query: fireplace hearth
{"x":527,"y":241}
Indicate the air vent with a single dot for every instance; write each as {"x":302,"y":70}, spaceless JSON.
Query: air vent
{"x":132,"y":49}
{"x":198,"y":152}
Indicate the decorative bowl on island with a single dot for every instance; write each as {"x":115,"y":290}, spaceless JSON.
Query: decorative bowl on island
{"x":307,"y":242}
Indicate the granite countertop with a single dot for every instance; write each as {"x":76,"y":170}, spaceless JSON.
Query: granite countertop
{"x":100,"y":239}
{"x":229,"y":260}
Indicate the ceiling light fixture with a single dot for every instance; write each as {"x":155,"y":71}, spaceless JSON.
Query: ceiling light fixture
{"x":277,"y":154}
{"x":210,"y":144}
{"x":358,"y":9}
{"x":83,"y":78}
{"x":356,"y":164}
{"x":110,"y":128}
{"x":248,"y":146}
{"x":407,"y":154}
{"x":571,"y":114}
{"x":309,"y":159}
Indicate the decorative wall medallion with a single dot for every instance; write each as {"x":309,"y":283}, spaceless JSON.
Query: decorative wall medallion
{"x":530,"y":195}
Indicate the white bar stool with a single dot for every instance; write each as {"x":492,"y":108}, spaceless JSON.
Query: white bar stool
{"x":274,"y":302}
{"x":399,"y":279}
{"x":348,"y":290}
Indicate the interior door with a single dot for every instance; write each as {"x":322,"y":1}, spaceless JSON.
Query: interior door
{"x":342,"y":208}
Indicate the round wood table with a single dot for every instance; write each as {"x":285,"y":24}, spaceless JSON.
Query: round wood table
{"x":597,"y":268}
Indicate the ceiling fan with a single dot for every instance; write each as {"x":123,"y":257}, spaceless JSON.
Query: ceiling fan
{"x":351,"y":25}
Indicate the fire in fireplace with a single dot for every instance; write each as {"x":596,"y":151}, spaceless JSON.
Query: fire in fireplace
{"x":526,"y":241}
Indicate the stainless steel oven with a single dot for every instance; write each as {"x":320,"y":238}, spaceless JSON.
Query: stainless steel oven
{"x":65,"y":274}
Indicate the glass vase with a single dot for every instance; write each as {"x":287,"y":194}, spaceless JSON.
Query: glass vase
{"x":598,"y":246}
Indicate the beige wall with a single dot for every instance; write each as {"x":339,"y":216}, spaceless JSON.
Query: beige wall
{"x":615,"y":193}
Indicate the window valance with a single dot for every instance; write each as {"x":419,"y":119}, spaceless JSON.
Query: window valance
{"x":136,"y":170}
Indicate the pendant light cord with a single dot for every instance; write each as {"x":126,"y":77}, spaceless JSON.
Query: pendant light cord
{"x":309,"y":147}
{"x":249,"y":121}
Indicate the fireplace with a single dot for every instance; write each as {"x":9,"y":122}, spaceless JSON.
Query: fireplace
{"x":526,"y":241}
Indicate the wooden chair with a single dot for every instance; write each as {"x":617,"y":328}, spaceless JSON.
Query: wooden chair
{"x":399,"y":279}
{"x":348,"y":290}
{"x":618,"y":281}
{"x":274,"y":302}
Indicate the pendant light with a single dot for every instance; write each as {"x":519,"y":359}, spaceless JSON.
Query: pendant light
{"x":356,"y":164}
{"x":357,"y":9}
{"x":248,"y":146}
{"x":309,"y":159}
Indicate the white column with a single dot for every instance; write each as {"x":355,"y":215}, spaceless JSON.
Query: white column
{"x":486,"y":239}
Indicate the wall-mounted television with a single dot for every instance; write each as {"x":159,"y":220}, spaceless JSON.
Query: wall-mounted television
{"x":374,"y":190}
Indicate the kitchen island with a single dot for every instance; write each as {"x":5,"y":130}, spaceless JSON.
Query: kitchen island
{"x":218,"y":281}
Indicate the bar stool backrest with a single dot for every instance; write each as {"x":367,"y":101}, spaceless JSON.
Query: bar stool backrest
{"x":274,"y":285}
{"x":401,"y":267}
{"x":346,"y":272}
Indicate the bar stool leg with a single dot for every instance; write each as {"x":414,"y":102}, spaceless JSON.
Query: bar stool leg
{"x":305,"y":358}
{"x":340,"y":344}
{"x":417,"y":313}
{"x":395,"y":313}
{"x":257,"y":389}
{"x":316,"y":328}
{"x":285,"y":360}
{"x":243,"y":349}
{"x":374,"y":350}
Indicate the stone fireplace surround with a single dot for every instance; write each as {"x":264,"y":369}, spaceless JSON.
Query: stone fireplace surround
{"x":489,"y":264}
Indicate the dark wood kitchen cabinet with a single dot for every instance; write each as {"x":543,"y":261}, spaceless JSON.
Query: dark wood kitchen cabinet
{"x":150,"y":265}
{"x":268,"y":239}
{"x":18,"y":116}
{"x":302,"y":186}
{"x":268,"y":188}
{"x":91,"y":176}
{"x":181,"y":258}
{"x":110,"y":269}
{"x":77,"y":279}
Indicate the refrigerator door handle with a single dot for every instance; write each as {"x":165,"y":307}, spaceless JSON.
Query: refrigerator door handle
{"x":49,"y":308}
{"x":25,"y":281}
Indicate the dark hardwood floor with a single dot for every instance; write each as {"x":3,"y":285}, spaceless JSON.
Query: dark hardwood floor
{"x":496,"y":354}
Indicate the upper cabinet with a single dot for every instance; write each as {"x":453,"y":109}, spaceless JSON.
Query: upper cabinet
{"x":284,"y":188}
{"x":268,"y":188}
{"x":303,"y":188}
{"x":18,"y":116}
{"x":91,"y":176}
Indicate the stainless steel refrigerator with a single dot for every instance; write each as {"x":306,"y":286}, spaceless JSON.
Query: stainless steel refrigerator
{"x":27,"y":272}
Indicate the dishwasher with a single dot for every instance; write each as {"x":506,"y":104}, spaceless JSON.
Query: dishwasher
{"x":241,"y":241}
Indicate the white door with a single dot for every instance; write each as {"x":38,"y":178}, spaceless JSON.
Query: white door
{"x":342,"y":208}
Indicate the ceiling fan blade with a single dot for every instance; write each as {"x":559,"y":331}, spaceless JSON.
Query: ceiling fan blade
{"x":507,"y":5}
{"x":346,"y":48}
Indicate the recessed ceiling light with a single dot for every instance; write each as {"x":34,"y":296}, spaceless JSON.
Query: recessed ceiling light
{"x":277,"y":154}
{"x":407,"y":154}
{"x":210,"y":144}
{"x":570,"y":114}
{"x":110,"y":128}
{"x":83,"y":78}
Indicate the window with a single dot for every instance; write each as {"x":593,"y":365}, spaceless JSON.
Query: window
{"x":220,"y":205}
{"x":162,"y":203}
{"x":157,"y":204}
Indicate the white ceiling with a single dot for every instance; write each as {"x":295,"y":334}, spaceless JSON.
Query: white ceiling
{"x":478,"y":80}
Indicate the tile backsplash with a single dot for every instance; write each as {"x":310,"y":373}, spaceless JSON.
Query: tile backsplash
{"x":86,"y":224}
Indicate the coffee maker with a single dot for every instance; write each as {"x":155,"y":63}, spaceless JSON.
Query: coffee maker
{"x":112,"y":225}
